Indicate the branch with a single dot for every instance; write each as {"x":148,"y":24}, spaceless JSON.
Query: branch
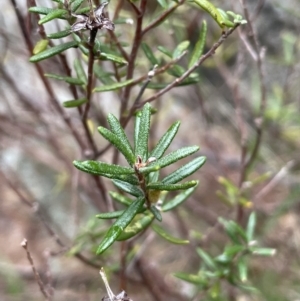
{"x":38,"y":279}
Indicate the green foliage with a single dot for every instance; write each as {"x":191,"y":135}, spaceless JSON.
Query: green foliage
{"x":140,"y":165}
{"x":232,"y":264}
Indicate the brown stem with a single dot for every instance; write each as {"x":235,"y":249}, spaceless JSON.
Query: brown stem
{"x":130,"y":69}
{"x":45,"y":81}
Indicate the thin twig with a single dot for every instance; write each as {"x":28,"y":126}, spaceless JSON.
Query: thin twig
{"x":38,"y":279}
{"x":184,"y":75}
{"x":45,"y":81}
{"x":162,"y":17}
{"x":134,"y":50}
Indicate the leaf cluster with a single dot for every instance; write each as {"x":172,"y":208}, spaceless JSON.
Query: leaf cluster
{"x":140,"y":178}
{"x":232,"y":264}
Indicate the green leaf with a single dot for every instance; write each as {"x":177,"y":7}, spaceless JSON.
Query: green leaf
{"x":156,"y":213}
{"x":170,"y":187}
{"x":40,"y":46}
{"x":149,"y":54}
{"x":52,"y":51}
{"x":137,"y":123}
{"x":40,"y":10}
{"x":118,"y":143}
{"x":184,"y":171}
{"x":243,"y":269}
{"x":180,"y":49}
{"x":113,"y":58}
{"x":251,"y":226}
{"x":114,"y":86}
{"x":117,"y":129}
{"x":59,"y":35}
{"x":80,"y":71}
{"x":67,"y":79}
{"x":209,"y":262}
{"x":263,"y":251}
{"x":199,"y":47}
{"x":165,"y":51}
{"x":176,"y":70}
{"x":76,"y":4}
{"x":56,"y":13}
{"x":191,"y":278}
{"x":163,"y":3}
{"x":212,"y":10}
{"x":234,"y":231}
{"x":74,"y":103}
{"x":162,"y":233}
{"x":120,"y":224}
{"x":146,"y":170}
{"x":129,"y":188}
{"x":131,"y":179}
{"x":136,"y":227}
{"x":142,"y":143}
{"x":178,"y":199}
{"x":229,"y":253}
{"x":110,"y":215}
{"x":176,"y":156}
{"x":165,"y":141}
{"x":99,"y":168}
{"x":103,"y":76}
{"x":120,"y":198}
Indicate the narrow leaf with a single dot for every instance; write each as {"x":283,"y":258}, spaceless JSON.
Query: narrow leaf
{"x":142,"y":143}
{"x":113,"y":58}
{"x":137,"y":123}
{"x":234,"y":231}
{"x":179,"y":199}
{"x":114,"y":86}
{"x":120,"y":224}
{"x":76,"y":4}
{"x":251,"y":226}
{"x":170,"y":187}
{"x":59,"y":35}
{"x":263,"y":251}
{"x":212,"y":10}
{"x":176,"y":155}
{"x":110,"y":215}
{"x":136,"y":227}
{"x":243,"y":269}
{"x":184,"y":171}
{"x":40,"y":46}
{"x":74,"y":103}
{"x":165,"y":141}
{"x":199,"y":47}
{"x":163,"y":3}
{"x":162,"y":233}
{"x":117,"y":129}
{"x":100,"y":168}
{"x":67,"y":79}
{"x":209,"y":262}
{"x":156,"y":213}
{"x":103,"y":76}
{"x":120,"y":198}
{"x":165,"y":51}
{"x":116,"y":214}
{"x":180,"y":49}
{"x":149,"y":54}
{"x":118,"y":143}
{"x":40,"y":10}
{"x":192,"y":278}
{"x":56,"y":13}
{"x":131,"y":189}
{"x":52,"y":51}
{"x":131,"y":179}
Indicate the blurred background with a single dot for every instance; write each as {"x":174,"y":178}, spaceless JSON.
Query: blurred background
{"x":44,"y":199}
